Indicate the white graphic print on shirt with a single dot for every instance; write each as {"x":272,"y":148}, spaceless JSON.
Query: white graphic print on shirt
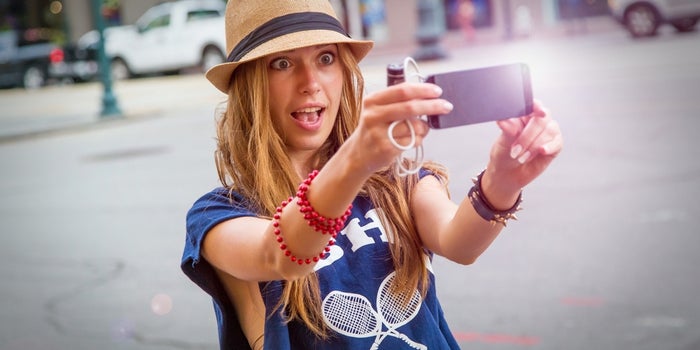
{"x":352,"y":314}
{"x":357,"y":232}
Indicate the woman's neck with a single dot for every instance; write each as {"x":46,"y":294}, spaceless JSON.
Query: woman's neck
{"x":304,"y":162}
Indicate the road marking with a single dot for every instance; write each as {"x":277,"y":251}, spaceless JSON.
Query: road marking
{"x":495,"y":338}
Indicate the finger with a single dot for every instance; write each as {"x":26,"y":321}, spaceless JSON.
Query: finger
{"x":420,"y":128}
{"x":407,"y":109}
{"x":521,"y":148}
{"x":511,"y":127}
{"x":538,"y":110}
{"x":547,"y":142}
{"x":405,"y":92}
{"x":408,"y":93}
{"x":532,"y":125}
{"x":553,"y":145}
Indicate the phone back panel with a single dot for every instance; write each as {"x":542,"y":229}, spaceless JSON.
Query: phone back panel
{"x":484,"y":94}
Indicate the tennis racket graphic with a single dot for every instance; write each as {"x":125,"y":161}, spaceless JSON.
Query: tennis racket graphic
{"x":352,"y":314}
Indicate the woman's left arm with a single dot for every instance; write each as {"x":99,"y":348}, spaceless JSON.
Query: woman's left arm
{"x":524,"y":149}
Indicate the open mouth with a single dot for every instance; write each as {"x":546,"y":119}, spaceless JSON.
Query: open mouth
{"x":308,"y":115}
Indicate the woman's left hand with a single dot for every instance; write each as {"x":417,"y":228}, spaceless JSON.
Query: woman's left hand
{"x":525,"y":148}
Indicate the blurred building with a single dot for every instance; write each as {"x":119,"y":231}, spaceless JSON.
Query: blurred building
{"x":494,"y":19}
{"x":389,"y":22}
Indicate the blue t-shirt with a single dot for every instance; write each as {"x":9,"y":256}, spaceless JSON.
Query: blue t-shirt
{"x":355,"y":279}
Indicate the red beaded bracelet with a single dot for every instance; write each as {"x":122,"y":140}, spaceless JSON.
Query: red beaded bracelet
{"x":278,"y":234}
{"x":320,"y":223}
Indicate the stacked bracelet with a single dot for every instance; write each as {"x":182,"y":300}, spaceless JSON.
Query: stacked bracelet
{"x":486,"y":209}
{"x":283,"y":246}
{"x":320,"y":223}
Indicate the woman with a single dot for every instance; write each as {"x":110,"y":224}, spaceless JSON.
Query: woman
{"x":339,"y":258}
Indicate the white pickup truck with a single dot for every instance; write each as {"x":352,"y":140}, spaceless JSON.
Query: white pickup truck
{"x":168,"y":37}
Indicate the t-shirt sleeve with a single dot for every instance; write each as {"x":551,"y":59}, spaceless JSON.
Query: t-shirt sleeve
{"x":423,"y":172}
{"x":208,"y":211}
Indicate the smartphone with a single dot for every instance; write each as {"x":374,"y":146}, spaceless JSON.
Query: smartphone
{"x":483,"y":94}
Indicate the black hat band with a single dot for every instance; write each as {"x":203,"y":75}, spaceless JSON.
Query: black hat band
{"x":276,"y":27}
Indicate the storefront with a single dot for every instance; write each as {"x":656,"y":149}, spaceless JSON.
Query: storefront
{"x":37,"y":20}
{"x":482,"y":16}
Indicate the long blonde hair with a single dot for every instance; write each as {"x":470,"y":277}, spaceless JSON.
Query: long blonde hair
{"x":251,"y":160}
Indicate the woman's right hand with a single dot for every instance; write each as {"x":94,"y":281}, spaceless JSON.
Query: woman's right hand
{"x":406,"y":101}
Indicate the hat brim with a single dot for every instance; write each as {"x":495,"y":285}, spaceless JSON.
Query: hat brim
{"x":220,"y":75}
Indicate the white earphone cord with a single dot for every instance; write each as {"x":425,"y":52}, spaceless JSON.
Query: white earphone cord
{"x":417,"y":160}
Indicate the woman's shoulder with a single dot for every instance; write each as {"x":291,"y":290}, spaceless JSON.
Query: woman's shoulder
{"x":221,"y":199}
{"x":221,"y":195}
{"x":437,"y":170}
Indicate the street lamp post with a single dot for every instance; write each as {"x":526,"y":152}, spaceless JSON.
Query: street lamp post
{"x":431,"y":27}
{"x":507,"y":20}
{"x":110,"y":107}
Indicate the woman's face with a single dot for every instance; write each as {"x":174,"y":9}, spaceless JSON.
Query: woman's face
{"x":305,"y":88}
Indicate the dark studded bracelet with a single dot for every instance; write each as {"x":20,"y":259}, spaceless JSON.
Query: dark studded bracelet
{"x":486,"y":209}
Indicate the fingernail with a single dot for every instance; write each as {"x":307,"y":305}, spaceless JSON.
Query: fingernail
{"x":524,"y":157}
{"x":448,"y":106}
{"x":438,"y":90}
{"x":515,"y":151}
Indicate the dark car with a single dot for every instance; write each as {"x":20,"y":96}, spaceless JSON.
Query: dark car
{"x":78,"y":65}
{"x":28,"y":60}
{"x":642,"y":18}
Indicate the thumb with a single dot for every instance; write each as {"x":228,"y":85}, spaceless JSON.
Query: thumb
{"x":511,"y":128}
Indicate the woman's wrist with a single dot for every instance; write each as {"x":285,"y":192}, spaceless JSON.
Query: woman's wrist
{"x":336,"y":185}
{"x":498,"y":193}
{"x":490,"y":212}
{"x":324,"y":225}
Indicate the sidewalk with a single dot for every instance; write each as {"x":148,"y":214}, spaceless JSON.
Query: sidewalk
{"x":74,"y":107}
{"x":78,"y":106}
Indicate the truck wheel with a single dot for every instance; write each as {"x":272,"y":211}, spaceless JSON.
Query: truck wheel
{"x":211,"y":57}
{"x":120,"y":71}
{"x":685,"y":25}
{"x":642,"y":20}
{"x":34,"y":77}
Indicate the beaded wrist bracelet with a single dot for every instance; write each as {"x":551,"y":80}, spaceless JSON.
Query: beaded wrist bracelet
{"x":320,"y":223}
{"x":486,"y":209}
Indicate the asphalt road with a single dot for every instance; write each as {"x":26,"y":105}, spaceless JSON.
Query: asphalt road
{"x":603,"y":257}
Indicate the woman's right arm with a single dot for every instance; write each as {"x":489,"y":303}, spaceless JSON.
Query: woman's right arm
{"x":246,"y":247}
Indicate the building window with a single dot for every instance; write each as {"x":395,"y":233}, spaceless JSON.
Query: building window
{"x":483,"y":14}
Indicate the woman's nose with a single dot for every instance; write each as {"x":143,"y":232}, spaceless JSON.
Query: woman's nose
{"x":308,"y":83}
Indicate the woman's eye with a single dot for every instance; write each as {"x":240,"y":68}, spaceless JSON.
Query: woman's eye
{"x":327,"y":58}
{"x":280,"y":63}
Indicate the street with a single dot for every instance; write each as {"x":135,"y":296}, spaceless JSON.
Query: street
{"x":602,"y":257}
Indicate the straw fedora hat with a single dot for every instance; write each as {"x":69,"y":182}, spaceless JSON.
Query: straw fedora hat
{"x":257,"y":28}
